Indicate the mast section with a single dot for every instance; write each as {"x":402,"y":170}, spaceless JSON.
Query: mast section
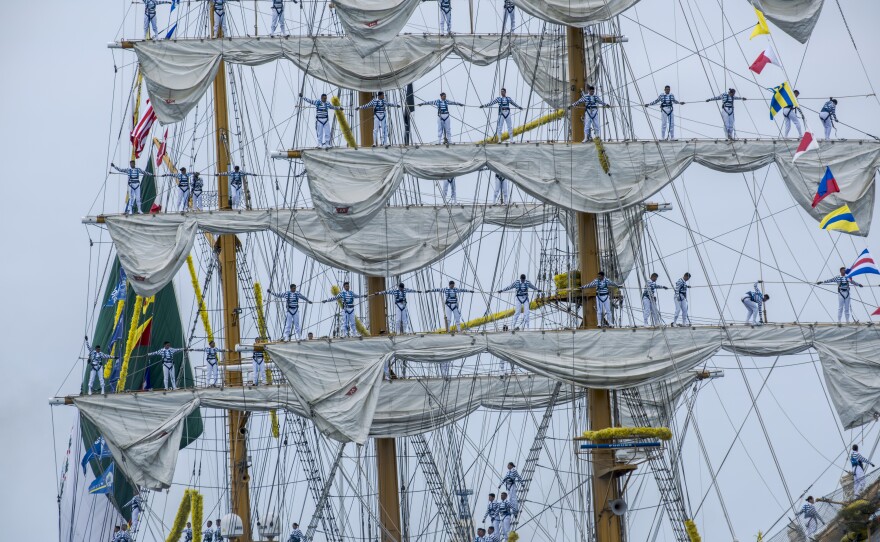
{"x":386,"y":448}
{"x":605,"y":486}
{"x":237,"y":426}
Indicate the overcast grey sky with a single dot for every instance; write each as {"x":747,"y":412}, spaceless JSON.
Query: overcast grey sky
{"x":54,"y":106}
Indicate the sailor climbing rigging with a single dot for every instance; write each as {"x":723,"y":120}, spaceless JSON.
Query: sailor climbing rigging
{"x":450,"y":301}
{"x":650,"y":310}
{"x":791,"y":115}
{"x":754,"y":302}
{"x":236,"y":182}
{"x":504,"y":103}
{"x":506,"y":511}
{"x":727,"y":115}
{"x":857,"y":463}
{"x":591,"y":112}
{"x":166,"y":354}
{"x":135,"y":503}
{"x":521,"y":300}
{"x":291,"y":300}
{"x":828,"y":115}
{"x":667,"y":113}
{"x":380,"y":106}
{"x":844,"y":298}
{"x":481,"y":535}
{"x":492,"y":512}
{"x":444,"y":126}
{"x":400,"y":304}
{"x":603,"y":297}
{"x":811,"y":516}
{"x":183,"y":185}
{"x":346,"y":297}
{"x":296,"y":535}
{"x":150,"y":17}
{"x":322,"y":118}
{"x":134,"y":175}
{"x":512,"y":482}
{"x":679,"y":296}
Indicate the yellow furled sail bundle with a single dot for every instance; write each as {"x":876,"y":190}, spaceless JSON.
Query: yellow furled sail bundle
{"x":203,"y":312}
{"x":108,"y":367}
{"x":540,"y":121}
{"x":135,"y":330}
{"x":180,"y":518}
{"x":197,"y":514}
{"x":662,"y":433}
{"x":693,"y":533}
{"x":343,"y":123}
{"x":261,"y":326}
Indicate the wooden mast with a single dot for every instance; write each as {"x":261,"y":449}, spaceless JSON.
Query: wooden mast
{"x":605,"y":484}
{"x":386,"y":448}
{"x":238,"y":464}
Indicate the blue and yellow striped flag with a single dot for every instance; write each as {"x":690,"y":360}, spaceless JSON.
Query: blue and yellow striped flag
{"x":840,"y":219}
{"x":783,"y":97}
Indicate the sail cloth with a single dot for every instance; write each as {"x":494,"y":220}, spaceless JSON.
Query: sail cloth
{"x":343,"y":401}
{"x":397,"y":240}
{"x":571,"y":176}
{"x":143,"y":430}
{"x":178,"y":73}
{"x":797,"y":18}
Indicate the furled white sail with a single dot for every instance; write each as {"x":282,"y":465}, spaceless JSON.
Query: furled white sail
{"x":570,"y":176}
{"x":372,"y":24}
{"x":143,"y":429}
{"x":398,"y":240}
{"x":343,"y":401}
{"x":797,"y":18}
{"x":178,"y":73}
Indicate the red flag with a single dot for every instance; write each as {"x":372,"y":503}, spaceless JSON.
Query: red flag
{"x":767,"y":56}
{"x":141,"y":132}
{"x":807,"y":144}
{"x":161,"y":154}
{"x":155,"y":208}
{"x":145,"y":338}
{"x":876,"y":312}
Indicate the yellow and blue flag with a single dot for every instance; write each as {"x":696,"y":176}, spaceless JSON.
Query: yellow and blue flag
{"x":840,"y":219}
{"x":761,"y":27}
{"x":783,"y":97}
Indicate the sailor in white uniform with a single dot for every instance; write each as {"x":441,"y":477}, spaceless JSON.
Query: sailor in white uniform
{"x":679,"y":296}
{"x":754,"y":302}
{"x":449,"y":188}
{"x":218,"y":533}
{"x":492,"y":534}
{"x":380,"y":106}
{"x":511,"y":482}
{"x":506,"y":511}
{"x":727,"y":115}
{"x":504,"y":103}
{"x":521,"y":300}
{"x":791,"y":115}
{"x":347,"y":297}
{"x":444,"y":125}
{"x":844,"y":298}
{"x":188,"y":533}
{"x":450,"y":300}
{"x":400,"y":304}
{"x":502,"y":190}
{"x":134,"y":175}
{"x":591,"y":112}
{"x":322,"y":118}
{"x":219,"y":7}
{"x":166,"y":354}
{"x":481,"y":535}
{"x":667,"y":114}
{"x":97,"y":360}
{"x":811,"y":516}
{"x":291,"y":300}
{"x":509,"y":13}
{"x":828,"y":115}
{"x":208,"y":533}
{"x":135,"y":503}
{"x":492,"y":513}
{"x":150,"y":16}
{"x":183,"y":185}
{"x":258,"y":368}
{"x":278,"y":16}
{"x":603,"y":297}
{"x":650,"y":311}
{"x":296,"y":535}
{"x":857,"y":462}
{"x":236,"y":182}
{"x":197,"y":188}
{"x":212,"y":361}
{"x":446,"y":15}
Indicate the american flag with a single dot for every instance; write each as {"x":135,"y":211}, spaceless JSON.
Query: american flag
{"x":141,"y":132}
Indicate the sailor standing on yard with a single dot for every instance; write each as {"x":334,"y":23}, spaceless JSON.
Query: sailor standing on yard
{"x":492,"y":513}
{"x":322,"y":118}
{"x":150,"y":16}
{"x":857,"y":462}
{"x":811,"y":516}
{"x":347,"y":297}
{"x":591,"y":112}
{"x":236,"y":181}
{"x":727,"y":111}
{"x":444,"y":125}
{"x":400,"y":304}
{"x":679,"y":296}
{"x":449,"y":187}
{"x":667,"y":114}
{"x":197,"y":188}
{"x":291,"y":303}
{"x":502,"y":190}
{"x":603,"y":298}
{"x":278,"y":16}
{"x":208,"y":533}
{"x":135,"y":504}
{"x":212,"y":359}
{"x":166,"y":354}
{"x":219,"y":7}
{"x":650,"y":311}
{"x":754,"y":303}
{"x":445,"y":15}
{"x":96,"y":361}
{"x":380,"y":106}
{"x":183,"y":185}
{"x":504,"y":103}
{"x":843,"y":296}
{"x":521,"y":300}
{"x":188,"y":533}
{"x":508,"y":13}
{"x":827,"y":115}
{"x":134,"y":175}
{"x":791,"y":115}
{"x":450,"y":300}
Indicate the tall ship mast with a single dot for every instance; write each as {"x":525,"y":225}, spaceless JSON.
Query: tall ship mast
{"x":314,"y":319}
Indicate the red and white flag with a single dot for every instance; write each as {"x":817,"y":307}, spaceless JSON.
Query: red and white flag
{"x":876,"y":313}
{"x":141,"y":132}
{"x":767,"y":56}
{"x":162,"y":147}
{"x":808,"y":143}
